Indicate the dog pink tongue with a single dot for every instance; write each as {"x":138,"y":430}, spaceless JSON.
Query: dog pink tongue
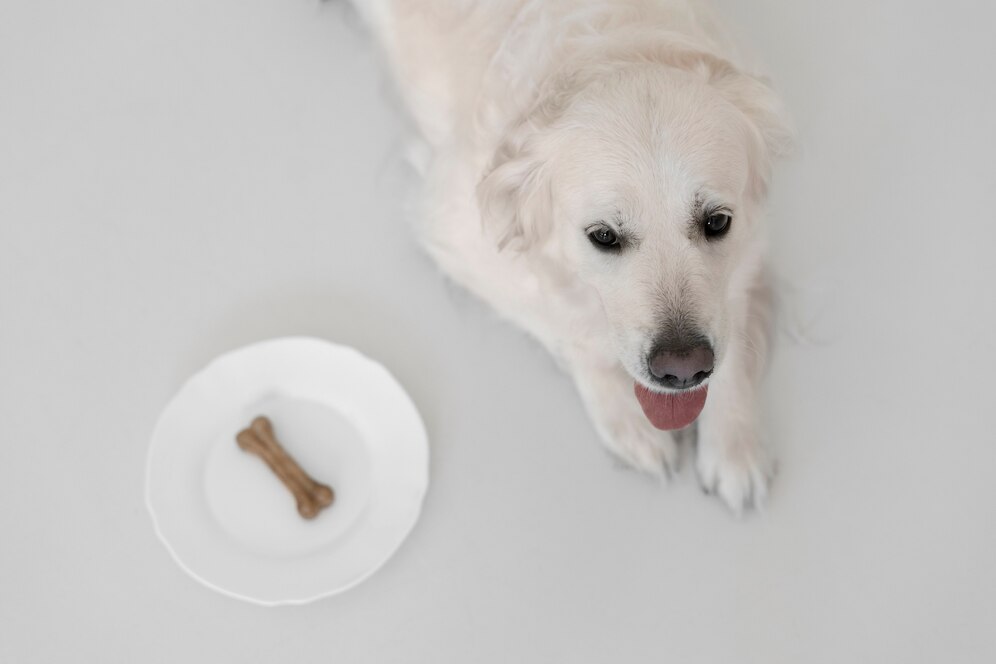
{"x":671,"y":411}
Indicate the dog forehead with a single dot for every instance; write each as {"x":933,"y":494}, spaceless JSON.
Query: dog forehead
{"x":660,"y":184}
{"x":668,"y":138}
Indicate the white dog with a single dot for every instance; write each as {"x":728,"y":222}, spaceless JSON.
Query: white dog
{"x":595,"y":170}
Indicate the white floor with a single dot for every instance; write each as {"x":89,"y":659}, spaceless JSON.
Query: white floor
{"x":180,"y":178}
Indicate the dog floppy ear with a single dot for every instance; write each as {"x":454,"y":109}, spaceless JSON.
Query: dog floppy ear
{"x":514,"y":196}
{"x":771,"y":131}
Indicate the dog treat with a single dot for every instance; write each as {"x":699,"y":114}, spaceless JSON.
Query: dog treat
{"x":311,"y":496}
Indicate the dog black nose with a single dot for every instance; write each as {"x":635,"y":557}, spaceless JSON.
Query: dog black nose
{"x":683,"y":367}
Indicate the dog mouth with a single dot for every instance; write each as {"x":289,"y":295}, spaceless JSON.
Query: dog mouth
{"x":671,"y":410}
{"x":678,"y":375}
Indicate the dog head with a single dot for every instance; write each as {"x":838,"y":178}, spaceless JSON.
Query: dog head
{"x":645,"y":179}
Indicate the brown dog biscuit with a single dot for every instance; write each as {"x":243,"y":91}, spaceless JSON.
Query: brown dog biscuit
{"x":320,"y":493}
{"x":311,"y":496}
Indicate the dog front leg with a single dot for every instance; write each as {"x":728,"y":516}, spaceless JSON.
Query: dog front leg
{"x":607,"y":392}
{"x":732,"y":460}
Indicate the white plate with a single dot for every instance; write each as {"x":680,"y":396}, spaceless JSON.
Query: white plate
{"x":227,"y":519}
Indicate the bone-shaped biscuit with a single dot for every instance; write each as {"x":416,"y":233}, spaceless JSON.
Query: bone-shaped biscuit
{"x":311,"y":496}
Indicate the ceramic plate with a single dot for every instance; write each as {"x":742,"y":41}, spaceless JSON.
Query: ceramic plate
{"x":227,"y":519}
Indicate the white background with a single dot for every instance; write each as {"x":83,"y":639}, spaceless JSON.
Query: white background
{"x":180,"y":177}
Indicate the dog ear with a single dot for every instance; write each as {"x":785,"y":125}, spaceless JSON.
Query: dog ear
{"x":771,"y":130}
{"x":514,"y":196}
{"x":514,"y":199}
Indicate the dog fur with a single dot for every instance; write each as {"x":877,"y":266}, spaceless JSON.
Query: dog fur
{"x":543,"y":119}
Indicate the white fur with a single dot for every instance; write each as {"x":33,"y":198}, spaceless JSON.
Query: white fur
{"x":543,"y":117}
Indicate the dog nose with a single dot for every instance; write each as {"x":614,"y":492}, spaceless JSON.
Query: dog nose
{"x":681,"y":368}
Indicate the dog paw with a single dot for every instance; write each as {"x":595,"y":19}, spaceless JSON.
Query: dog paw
{"x":739,"y":473}
{"x":639,"y":445}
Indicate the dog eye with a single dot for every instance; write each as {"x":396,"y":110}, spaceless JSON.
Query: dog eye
{"x":604,"y":238}
{"x":717,"y":224}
